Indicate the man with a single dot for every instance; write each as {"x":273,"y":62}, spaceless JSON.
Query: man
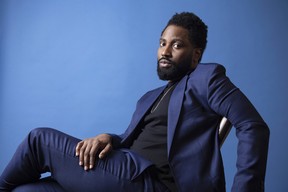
{"x":172,"y":141}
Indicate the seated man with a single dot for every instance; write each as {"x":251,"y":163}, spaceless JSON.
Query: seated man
{"x":172,"y":142}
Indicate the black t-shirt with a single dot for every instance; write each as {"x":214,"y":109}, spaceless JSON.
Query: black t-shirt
{"x":151,"y":143}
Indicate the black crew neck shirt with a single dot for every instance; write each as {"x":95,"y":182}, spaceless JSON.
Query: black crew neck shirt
{"x":151,"y":143}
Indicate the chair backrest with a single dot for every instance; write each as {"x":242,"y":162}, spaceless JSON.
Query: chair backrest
{"x":224,"y":129}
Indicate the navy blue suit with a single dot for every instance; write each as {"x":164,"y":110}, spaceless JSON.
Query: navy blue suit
{"x":196,"y":106}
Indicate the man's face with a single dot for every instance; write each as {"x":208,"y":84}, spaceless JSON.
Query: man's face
{"x":176,"y":55}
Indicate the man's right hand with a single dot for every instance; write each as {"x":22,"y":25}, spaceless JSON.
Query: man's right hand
{"x":87,"y":149}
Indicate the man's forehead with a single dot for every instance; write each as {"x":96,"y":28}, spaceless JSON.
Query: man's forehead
{"x":175,"y":32}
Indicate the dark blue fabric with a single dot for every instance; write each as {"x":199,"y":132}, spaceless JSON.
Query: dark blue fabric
{"x":44,"y":185}
{"x":47,"y":149}
{"x":197,"y":104}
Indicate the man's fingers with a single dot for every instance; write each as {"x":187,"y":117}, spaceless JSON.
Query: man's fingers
{"x":86,"y":158}
{"x":81,"y":152}
{"x":78,"y":147}
{"x":87,"y":149}
{"x":93,"y":152}
{"x":105,"y":151}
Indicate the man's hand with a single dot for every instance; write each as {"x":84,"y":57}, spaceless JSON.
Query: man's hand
{"x":88,"y":148}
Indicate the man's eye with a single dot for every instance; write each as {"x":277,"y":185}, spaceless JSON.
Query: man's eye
{"x":176,"y":45}
{"x":162,"y":44}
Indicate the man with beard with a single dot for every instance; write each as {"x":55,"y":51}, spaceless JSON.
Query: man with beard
{"x":172,"y":142}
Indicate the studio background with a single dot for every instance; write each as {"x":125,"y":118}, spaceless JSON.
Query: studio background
{"x":80,"y":66}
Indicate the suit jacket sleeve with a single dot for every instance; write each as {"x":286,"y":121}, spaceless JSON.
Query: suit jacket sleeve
{"x":252,"y":132}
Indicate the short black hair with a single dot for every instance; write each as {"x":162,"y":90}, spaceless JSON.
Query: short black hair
{"x":196,"y":27}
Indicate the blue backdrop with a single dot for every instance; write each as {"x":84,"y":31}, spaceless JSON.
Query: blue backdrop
{"x":80,"y":66}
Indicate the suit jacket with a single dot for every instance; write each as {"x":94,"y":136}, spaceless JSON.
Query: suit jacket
{"x":196,"y":106}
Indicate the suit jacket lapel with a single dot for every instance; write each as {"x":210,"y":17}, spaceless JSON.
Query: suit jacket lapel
{"x":141,"y":111}
{"x":149,"y":102}
{"x":174,"y":110}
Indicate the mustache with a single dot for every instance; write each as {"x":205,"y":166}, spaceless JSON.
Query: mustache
{"x":166,"y":60}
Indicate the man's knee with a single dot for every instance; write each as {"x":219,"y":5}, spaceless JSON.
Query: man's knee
{"x":40,"y":134}
{"x":40,"y":130}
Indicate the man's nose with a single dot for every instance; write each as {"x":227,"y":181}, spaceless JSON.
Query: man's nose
{"x":166,"y":51}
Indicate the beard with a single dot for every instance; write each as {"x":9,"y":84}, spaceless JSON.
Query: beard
{"x":175,"y":72}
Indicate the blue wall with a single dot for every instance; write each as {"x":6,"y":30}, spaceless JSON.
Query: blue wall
{"x":80,"y":66}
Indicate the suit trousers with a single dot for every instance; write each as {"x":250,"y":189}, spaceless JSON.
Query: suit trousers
{"x":49,"y":150}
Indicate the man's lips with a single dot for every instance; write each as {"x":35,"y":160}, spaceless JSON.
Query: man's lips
{"x":164,"y":63}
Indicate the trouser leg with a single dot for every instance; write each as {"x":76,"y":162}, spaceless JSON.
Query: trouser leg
{"x":48,"y":150}
{"x":40,"y":152}
{"x":43,"y":185}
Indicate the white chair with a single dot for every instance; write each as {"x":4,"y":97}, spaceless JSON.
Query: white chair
{"x":224,"y":129}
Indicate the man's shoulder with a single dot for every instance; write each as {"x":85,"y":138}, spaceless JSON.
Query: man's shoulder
{"x":158,"y":89}
{"x":206,"y":70}
{"x":204,"y":74}
{"x":209,"y":66}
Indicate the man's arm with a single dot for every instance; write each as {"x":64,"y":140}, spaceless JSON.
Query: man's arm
{"x":251,"y":130}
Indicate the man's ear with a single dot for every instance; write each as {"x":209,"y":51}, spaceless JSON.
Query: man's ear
{"x":196,"y":57}
{"x":197,"y":54}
